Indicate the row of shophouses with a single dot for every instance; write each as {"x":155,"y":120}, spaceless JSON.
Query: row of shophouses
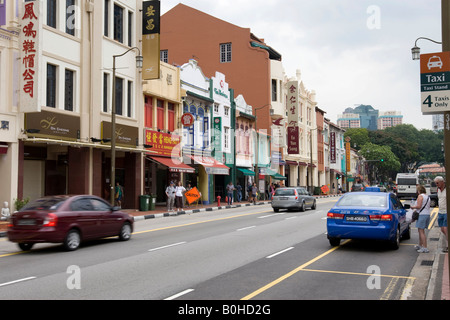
{"x":209,"y":118}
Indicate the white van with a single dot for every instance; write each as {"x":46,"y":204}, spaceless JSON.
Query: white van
{"x":406,"y":185}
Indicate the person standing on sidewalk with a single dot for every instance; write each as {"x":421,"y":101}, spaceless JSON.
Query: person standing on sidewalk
{"x":422,"y":204}
{"x":442,"y":216}
{"x":170,"y":192}
{"x":179,"y":191}
{"x":230,"y":189}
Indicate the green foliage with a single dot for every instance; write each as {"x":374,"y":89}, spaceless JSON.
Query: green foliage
{"x":20,"y":203}
{"x":408,"y":147}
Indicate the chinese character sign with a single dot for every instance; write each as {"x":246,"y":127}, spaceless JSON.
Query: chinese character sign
{"x":150,"y":39}
{"x":164,"y":144}
{"x":30,"y":53}
{"x":292,"y":108}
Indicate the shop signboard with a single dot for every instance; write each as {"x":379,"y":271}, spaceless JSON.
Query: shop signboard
{"x":30,"y":48}
{"x":52,"y":125}
{"x":164,"y":144}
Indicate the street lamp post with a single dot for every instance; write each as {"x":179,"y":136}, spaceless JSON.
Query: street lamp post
{"x":139,"y":63}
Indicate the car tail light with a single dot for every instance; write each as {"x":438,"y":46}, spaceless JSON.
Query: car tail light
{"x":50,"y":220}
{"x":334,"y":215}
{"x":381,"y":217}
{"x":296,"y":194}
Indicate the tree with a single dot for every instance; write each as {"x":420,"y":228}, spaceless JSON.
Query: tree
{"x":381,"y":160}
{"x":358,"y":136}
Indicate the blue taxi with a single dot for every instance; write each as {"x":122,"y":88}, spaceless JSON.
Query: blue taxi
{"x":368,"y":215}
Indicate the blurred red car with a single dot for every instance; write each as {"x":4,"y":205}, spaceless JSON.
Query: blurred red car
{"x":68,"y":220}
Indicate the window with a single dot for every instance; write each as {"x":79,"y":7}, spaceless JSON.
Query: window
{"x":106,"y":18}
{"x":68,"y":90}
{"x":51,"y":13}
{"x":118,"y":23}
{"x":119,"y":96}
{"x":105,"y":92}
{"x":130,"y":29}
{"x":70,"y":17}
{"x":171,"y":116}
{"x":149,"y":112}
{"x":274,"y":90}
{"x":227,"y":111}
{"x":164,"y":56}
{"x":226,"y":140}
{"x":160,"y":114}
{"x":130,"y":99}
{"x":225,"y":52}
{"x":51,"y":86}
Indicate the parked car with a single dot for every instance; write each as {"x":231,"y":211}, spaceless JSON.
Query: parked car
{"x":368,"y":215}
{"x":292,"y":198}
{"x":68,"y":220}
{"x":357,"y":187}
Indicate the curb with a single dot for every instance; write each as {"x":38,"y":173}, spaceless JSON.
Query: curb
{"x":177,"y":213}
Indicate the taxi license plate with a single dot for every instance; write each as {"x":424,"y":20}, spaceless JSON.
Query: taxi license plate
{"x":356,"y":218}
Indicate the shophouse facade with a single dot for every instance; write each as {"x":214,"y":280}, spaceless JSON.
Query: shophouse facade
{"x":303,"y":166}
{"x":197,"y":150}
{"x":64,"y":79}
{"x":246,"y":60}
{"x":163,"y":132}
{"x":10,"y":119}
{"x":337,"y":158}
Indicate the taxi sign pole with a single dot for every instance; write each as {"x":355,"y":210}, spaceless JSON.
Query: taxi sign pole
{"x":445,"y":20}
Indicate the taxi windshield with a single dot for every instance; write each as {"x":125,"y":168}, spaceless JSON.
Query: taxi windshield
{"x":363,"y":200}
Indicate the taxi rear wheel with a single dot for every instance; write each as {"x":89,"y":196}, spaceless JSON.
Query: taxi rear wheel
{"x":395,"y":242}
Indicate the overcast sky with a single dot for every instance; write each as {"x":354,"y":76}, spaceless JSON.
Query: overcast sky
{"x":350,"y":52}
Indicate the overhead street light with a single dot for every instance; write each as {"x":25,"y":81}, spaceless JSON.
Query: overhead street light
{"x":416,"y":50}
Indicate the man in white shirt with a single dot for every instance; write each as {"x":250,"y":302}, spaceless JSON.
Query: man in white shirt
{"x":442,"y":216}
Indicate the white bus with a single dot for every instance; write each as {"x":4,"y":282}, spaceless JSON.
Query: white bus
{"x":406,"y":185}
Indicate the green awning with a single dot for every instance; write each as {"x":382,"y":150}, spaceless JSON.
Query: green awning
{"x":275,"y":175}
{"x":246,"y":172}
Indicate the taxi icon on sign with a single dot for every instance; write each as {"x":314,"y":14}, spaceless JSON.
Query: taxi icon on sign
{"x":435,"y":62}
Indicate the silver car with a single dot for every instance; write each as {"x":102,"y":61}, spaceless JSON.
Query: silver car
{"x":293,"y":198}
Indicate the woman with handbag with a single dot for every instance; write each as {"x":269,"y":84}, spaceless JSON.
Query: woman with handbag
{"x":423,"y":204}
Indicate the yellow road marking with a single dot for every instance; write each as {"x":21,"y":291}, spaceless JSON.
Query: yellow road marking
{"x":289,"y":274}
{"x":358,"y":273}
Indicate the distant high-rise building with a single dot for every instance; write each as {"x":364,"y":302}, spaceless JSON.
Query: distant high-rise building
{"x":365,"y":116}
{"x":389,"y":119}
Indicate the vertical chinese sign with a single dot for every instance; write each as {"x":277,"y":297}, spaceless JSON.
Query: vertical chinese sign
{"x":150,"y":39}
{"x":30,"y":47}
{"x":293,"y":116}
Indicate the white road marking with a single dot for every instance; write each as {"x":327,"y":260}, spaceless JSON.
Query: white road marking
{"x":246,"y":228}
{"x":168,"y":246}
{"x":280,"y":252}
{"x":16,"y":281}
{"x":179,"y":294}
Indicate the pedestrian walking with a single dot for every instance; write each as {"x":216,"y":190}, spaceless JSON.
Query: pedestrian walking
{"x":118,"y":195}
{"x":254,"y":192}
{"x":179,"y":191}
{"x":442,"y":215}
{"x":249,"y":192}
{"x":423,"y":205}
{"x":239,"y":192}
{"x":170,"y":192}
{"x":230,"y":189}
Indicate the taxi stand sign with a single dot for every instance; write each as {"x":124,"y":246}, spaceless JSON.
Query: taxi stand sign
{"x":435,"y":82}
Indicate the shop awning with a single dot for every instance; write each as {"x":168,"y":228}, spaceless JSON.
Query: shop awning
{"x":173,"y":165}
{"x":275,"y":175}
{"x":246,"y":172}
{"x":3,"y":148}
{"x":211,"y":165}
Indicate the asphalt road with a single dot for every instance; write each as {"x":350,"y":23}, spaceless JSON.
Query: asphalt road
{"x":242,"y":253}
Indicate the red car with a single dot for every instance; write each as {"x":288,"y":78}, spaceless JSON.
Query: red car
{"x":68,"y":220}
